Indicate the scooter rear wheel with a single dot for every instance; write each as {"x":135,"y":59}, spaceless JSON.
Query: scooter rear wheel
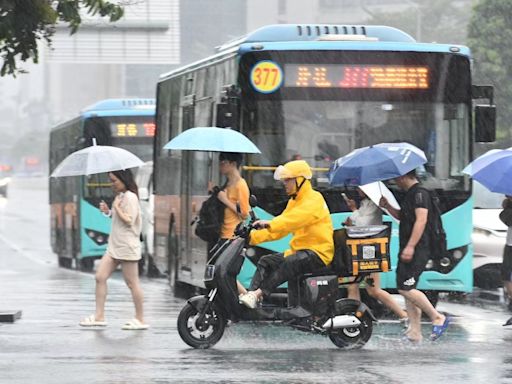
{"x":353,"y":337}
{"x":201,"y":333}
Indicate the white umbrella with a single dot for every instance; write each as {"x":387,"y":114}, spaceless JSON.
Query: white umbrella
{"x":378,"y":189}
{"x":96,"y":159}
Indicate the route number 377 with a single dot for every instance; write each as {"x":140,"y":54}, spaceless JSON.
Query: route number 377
{"x":266,"y":77}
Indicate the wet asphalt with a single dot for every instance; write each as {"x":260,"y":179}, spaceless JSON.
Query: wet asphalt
{"x":47,"y":346}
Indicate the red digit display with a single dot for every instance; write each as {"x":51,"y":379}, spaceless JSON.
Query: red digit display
{"x":356,"y":76}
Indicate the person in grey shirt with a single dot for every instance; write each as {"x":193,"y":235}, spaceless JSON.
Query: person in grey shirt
{"x":123,"y":249}
{"x":369,"y":213}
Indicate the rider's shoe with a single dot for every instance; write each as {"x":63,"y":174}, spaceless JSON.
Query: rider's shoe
{"x":249,"y":299}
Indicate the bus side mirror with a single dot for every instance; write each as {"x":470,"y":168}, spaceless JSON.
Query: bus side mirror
{"x":485,"y":123}
{"x":228,"y":109}
{"x":227,"y":116}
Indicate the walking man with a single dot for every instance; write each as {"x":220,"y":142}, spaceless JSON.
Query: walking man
{"x":414,"y":254}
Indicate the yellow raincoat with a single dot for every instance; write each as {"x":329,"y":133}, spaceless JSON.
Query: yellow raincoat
{"x":307,"y":218}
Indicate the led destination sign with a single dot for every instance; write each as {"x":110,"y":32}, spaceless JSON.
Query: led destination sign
{"x":356,"y":76}
{"x":133,"y":129}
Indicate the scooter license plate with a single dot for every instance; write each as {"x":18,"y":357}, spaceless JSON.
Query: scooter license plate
{"x":368,"y":252}
{"x":209,"y":272}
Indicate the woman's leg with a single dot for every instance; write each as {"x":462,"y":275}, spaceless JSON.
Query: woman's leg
{"x":353,"y":292}
{"x":131,"y":277}
{"x":104,"y":271}
{"x":383,"y":296}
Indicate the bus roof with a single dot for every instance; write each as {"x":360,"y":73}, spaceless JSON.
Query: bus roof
{"x":312,"y":32}
{"x":120,"y":107}
{"x":321,"y":37}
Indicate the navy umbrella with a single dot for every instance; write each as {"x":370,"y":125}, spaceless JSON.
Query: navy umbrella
{"x":376,"y":163}
{"x":493,"y":170}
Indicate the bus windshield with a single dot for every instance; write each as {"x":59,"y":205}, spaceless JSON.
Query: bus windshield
{"x":322,"y":123}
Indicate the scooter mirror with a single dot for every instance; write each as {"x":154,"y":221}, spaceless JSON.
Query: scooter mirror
{"x":253,"y":201}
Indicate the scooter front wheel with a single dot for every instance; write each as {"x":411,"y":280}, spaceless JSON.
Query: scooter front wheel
{"x":352,"y":337}
{"x":198,"y":330}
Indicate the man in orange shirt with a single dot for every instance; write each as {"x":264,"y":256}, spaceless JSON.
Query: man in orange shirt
{"x":235,"y":196}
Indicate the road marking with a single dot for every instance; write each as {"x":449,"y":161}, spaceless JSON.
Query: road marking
{"x":19,"y":250}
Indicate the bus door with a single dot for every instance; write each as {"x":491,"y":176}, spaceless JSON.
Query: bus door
{"x":186,"y":216}
{"x":195,"y":174}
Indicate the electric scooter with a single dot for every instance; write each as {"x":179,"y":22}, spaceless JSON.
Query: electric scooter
{"x":348,"y":323}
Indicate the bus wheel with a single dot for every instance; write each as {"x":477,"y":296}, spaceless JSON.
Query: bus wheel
{"x":65,"y":262}
{"x":86,"y":264}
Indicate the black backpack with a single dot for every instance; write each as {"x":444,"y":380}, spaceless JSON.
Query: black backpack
{"x":438,"y":244}
{"x":210,"y":218}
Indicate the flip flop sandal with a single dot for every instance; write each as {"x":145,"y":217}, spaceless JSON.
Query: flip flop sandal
{"x":91,"y":321}
{"x":438,"y":330}
{"x":134,"y":325}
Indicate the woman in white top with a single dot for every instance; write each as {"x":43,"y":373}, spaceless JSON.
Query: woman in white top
{"x":123,"y":249}
{"x":369,"y":213}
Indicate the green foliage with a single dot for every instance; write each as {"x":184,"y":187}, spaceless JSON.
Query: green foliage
{"x":440,"y":21}
{"x":24,"y":22}
{"x":490,"y":40}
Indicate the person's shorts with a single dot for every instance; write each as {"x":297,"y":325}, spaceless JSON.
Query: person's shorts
{"x":506,"y":267}
{"x":408,"y":274}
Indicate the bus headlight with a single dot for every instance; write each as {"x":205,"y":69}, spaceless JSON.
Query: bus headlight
{"x":458,"y":254}
{"x":444,"y":262}
{"x":99,"y":238}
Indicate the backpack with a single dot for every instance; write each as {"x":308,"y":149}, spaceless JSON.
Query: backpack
{"x":210,"y":217}
{"x":506,"y":216}
{"x":438,"y":244}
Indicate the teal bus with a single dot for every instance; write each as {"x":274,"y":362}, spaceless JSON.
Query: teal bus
{"x":316,"y":92}
{"x":79,"y":231}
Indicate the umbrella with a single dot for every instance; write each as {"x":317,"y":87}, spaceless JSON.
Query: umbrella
{"x":96,"y":159}
{"x":375,"y":163}
{"x":212,"y":139}
{"x":493,"y":170}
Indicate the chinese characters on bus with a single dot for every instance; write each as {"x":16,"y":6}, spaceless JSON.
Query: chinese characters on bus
{"x":356,"y":76}
{"x":133,"y":129}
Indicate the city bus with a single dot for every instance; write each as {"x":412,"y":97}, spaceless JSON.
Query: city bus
{"x":79,"y":231}
{"x":316,"y":92}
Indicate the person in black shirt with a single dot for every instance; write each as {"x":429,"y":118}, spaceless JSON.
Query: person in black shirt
{"x":414,"y":254}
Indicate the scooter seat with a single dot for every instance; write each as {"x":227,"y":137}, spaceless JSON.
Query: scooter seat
{"x":327,"y":270}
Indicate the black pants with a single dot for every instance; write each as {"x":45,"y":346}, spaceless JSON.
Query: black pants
{"x":275,"y":269}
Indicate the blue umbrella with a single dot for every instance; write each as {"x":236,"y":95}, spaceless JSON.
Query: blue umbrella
{"x":212,"y":139}
{"x":376,"y":163}
{"x":493,"y":170}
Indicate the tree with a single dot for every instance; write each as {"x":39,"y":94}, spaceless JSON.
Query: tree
{"x":451,"y":18}
{"x":24,"y":22}
{"x":490,"y":39}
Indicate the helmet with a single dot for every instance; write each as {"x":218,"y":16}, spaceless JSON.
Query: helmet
{"x":293,"y":169}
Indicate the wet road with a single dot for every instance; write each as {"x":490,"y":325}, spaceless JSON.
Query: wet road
{"x":47,"y":345}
